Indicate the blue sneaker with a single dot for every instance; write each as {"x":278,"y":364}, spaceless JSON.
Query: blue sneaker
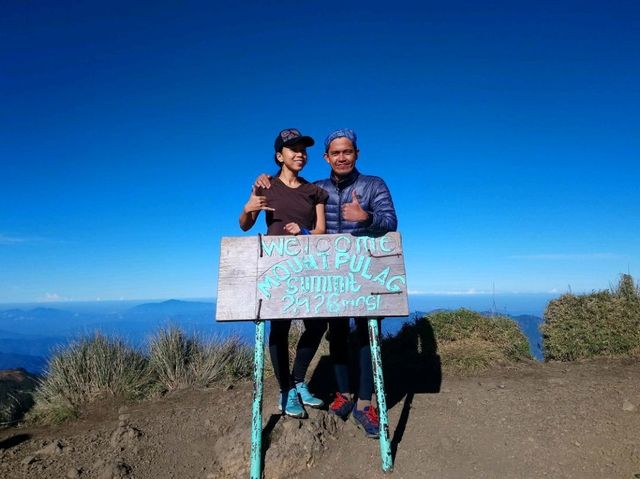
{"x":367,"y":420}
{"x":308,"y":399}
{"x":291,"y":404}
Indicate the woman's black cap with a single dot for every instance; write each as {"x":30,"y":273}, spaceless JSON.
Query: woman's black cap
{"x":291,"y":136}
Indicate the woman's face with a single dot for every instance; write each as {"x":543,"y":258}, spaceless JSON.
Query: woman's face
{"x":293,"y":157}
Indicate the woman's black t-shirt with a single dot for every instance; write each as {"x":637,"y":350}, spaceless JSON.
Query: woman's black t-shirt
{"x":292,"y":205}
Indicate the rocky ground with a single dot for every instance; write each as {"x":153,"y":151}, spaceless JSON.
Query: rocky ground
{"x":557,"y":420}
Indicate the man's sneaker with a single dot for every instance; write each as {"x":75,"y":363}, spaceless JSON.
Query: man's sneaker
{"x":367,"y":420}
{"x":291,"y":404}
{"x":308,"y":399}
{"x":341,"y":406}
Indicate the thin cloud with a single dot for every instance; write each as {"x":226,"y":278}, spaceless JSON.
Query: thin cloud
{"x":416,"y":291}
{"x":467,"y":292}
{"x":9,"y":240}
{"x":53,"y":298}
{"x":567,"y":257}
{"x":478,"y":292}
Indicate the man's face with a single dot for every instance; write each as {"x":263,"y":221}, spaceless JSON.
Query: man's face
{"x":342,"y":156}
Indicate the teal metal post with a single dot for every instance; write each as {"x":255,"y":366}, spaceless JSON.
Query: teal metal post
{"x":256,"y":421}
{"x":378,"y":379}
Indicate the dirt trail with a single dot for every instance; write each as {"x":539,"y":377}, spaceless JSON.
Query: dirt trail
{"x":554,"y":420}
{"x":557,"y":420}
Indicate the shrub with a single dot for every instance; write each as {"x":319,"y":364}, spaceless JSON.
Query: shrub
{"x":16,"y":395}
{"x":179,"y":361}
{"x":603,"y":323}
{"x":170,"y":355}
{"x":85,"y":370}
{"x":98,"y":366}
{"x":469,"y":342}
{"x":222,"y":360}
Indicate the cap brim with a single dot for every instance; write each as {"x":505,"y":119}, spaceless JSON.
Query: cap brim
{"x":305,"y":140}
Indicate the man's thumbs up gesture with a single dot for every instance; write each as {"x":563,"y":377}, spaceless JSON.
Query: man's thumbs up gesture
{"x":353,"y":211}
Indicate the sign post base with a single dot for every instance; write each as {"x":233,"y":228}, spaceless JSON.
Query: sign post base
{"x":378,"y":379}
{"x":256,"y":420}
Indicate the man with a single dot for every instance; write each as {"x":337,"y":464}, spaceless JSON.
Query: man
{"x":360,"y":205}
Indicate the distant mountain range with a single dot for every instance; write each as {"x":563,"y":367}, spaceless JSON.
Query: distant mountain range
{"x":174,"y":307}
{"x":530,"y":326}
{"x":28,"y":336}
{"x":24,"y":361}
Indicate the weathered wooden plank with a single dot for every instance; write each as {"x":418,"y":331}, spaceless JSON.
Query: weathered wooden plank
{"x":236,"y":299}
{"x":312,"y":276}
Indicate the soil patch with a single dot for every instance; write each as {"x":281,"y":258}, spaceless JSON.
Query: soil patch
{"x":569,"y":420}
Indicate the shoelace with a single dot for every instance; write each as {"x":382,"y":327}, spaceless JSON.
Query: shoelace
{"x":372,"y":414}
{"x":293,"y":398}
{"x":339,"y":401}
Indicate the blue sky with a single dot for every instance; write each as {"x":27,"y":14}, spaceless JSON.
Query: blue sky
{"x":508,"y":133}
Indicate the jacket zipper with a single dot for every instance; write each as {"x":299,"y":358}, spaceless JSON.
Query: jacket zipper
{"x":339,"y":210}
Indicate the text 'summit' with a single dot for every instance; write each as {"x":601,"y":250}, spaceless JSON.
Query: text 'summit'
{"x":329,"y":275}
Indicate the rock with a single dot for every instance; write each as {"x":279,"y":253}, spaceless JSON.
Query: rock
{"x":51,"y":449}
{"x":74,"y":473}
{"x":125,"y":435}
{"x":292,"y":447}
{"x":117,"y":469}
{"x":628,"y":406}
{"x":29,"y":460}
{"x":557,"y":381}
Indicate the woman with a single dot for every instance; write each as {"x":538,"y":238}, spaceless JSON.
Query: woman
{"x":293,"y":206}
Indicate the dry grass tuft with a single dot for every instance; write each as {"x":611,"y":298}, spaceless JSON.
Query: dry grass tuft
{"x":99,"y":366}
{"x":85,"y":370}
{"x":469,"y":342}
{"x":600,"y":324}
{"x":178,"y":360}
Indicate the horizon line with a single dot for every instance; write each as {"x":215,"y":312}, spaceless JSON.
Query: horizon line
{"x":214,"y":298}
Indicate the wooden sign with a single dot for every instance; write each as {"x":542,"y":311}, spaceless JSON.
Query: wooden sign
{"x":307,"y":276}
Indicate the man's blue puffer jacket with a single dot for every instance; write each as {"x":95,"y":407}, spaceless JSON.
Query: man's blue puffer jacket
{"x":374,"y":198}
